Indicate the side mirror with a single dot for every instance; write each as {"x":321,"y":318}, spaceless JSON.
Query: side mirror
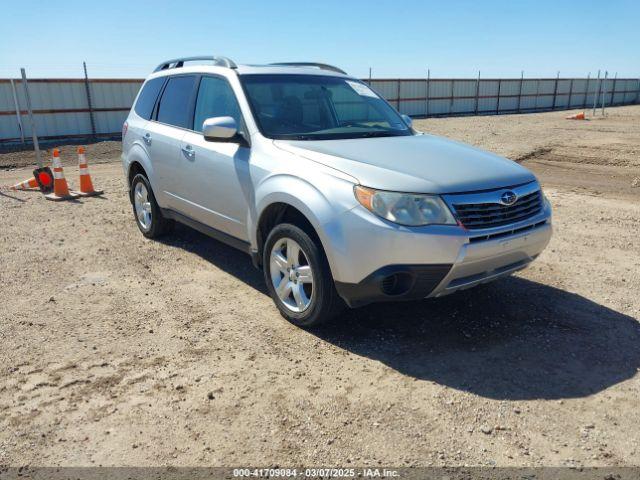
{"x":407,"y":120}
{"x":219,"y":129}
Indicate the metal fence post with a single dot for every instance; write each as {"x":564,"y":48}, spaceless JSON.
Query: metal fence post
{"x":604,"y":90}
{"x":555,"y":91}
{"x":453,"y":82}
{"x":34,"y":135}
{"x":613,"y":91}
{"x":498,"y":100}
{"x":399,"y":82}
{"x":520,"y":90}
{"x":638,"y":91}
{"x":535,"y":105}
{"x":586,"y":92}
{"x":369,"y":76}
{"x":428,"y":86}
{"x":477,"y":92}
{"x":596,"y":94}
{"x":570,"y":92}
{"x":86,"y":86}
{"x":17,"y":106}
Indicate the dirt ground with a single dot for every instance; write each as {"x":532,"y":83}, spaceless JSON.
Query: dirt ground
{"x":117,"y":350}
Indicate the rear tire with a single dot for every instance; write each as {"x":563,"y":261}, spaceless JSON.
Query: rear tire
{"x":146,"y":211}
{"x":298,"y":277}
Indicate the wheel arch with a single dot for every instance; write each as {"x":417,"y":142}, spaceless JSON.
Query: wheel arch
{"x":135,"y":168}
{"x":291,"y":198}
{"x":139,"y":163}
{"x":285,"y":208}
{"x":281,"y":212}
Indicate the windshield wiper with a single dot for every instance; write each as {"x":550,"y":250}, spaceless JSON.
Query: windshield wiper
{"x":343,"y":136}
{"x":354,"y":124}
{"x":378,"y":134}
{"x":300,"y":137}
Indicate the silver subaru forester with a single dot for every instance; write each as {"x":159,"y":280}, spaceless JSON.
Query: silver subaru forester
{"x":328,"y":188}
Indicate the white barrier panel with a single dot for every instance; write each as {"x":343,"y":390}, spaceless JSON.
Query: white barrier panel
{"x":61,"y":107}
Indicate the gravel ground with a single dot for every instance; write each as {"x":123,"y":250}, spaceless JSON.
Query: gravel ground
{"x":117,"y":350}
{"x":101,"y":152}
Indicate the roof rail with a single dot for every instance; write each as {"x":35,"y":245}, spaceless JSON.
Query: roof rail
{"x":179,"y":62}
{"x":321,"y":66}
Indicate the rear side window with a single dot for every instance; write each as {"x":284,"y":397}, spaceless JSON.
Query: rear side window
{"x":175,"y":104}
{"x":147,"y":97}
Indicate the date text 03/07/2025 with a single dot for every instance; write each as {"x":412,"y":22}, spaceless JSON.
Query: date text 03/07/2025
{"x":315,"y":473}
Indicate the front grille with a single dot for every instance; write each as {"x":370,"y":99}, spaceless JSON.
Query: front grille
{"x":506,"y":233}
{"x":489,"y":215}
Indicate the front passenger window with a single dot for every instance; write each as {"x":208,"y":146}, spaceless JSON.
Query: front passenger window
{"x":216,"y":99}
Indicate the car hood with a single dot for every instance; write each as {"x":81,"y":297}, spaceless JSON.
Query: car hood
{"x":417,"y":163}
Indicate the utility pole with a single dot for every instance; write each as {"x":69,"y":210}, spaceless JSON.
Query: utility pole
{"x":86,"y":86}
{"x":17,"y":107}
{"x":34,"y":135}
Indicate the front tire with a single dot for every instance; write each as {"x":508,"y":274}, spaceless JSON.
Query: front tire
{"x":146,"y":210}
{"x":298,"y":277}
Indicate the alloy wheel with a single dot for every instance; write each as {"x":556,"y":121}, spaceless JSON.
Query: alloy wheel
{"x":291,"y":275}
{"x":142,"y":206}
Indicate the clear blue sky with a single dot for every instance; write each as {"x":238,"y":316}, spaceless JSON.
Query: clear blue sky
{"x":396,"y":38}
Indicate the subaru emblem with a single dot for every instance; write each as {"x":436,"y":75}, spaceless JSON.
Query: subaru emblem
{"x":508,"y":197}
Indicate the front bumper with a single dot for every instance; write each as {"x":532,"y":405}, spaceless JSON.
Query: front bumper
{"x":394,"y":282}
{"x":488,"y":260}
{"x":373,"y":260}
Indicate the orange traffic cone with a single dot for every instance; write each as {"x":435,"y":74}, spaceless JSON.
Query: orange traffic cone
{"x":577,"y":116}
{"x":60,"y":188}
{"x":42,"y":180}
{"x":26,"y":185}
{"x":86,"y":185}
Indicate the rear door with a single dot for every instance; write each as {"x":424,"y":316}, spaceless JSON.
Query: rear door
{"x":216,"y":174}
{"x":163,"y":137}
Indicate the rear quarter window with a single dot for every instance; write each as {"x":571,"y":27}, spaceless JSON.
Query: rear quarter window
{"x":147,"y":98}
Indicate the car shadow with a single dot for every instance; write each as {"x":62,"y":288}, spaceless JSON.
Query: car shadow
{"x":513,"y":339}
{"x":226,"y":258}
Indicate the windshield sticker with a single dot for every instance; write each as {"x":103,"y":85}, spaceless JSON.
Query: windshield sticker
{"x":362,"y":89}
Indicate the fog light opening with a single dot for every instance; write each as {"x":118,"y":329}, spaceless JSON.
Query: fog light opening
{"x":396,"y":284}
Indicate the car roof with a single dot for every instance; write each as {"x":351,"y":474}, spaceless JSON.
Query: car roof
{"x":249,"y":70}
{"x":287,"y":69}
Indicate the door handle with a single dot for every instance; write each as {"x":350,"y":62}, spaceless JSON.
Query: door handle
{"x":189,"y":151}
{"x":147,"y":138}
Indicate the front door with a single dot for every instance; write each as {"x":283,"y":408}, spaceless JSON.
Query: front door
{"x":216,"y":174}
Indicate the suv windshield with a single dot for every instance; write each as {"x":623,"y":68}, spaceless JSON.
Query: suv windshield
{"x":318,"y":107}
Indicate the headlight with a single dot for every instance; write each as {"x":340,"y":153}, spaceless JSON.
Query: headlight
{"x":405,"y":208}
